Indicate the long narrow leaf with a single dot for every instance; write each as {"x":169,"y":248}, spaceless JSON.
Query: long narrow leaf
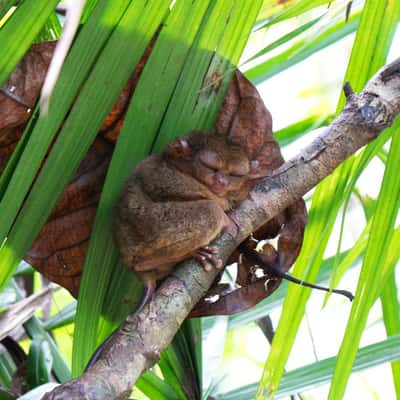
{"x":290,"y":133}
{"x":321,"y":372}
{"x":326,"y":202}
{"x":293,"y":9}
{"x":391,"y":317}
{"x":284,"y":39}
{"x":155,"y":388}
{"x":19,"y":32}
{"x":371,"y":277}
{"x":302,"y":49}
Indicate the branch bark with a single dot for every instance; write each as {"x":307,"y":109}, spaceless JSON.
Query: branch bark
{"x":139,"y":341}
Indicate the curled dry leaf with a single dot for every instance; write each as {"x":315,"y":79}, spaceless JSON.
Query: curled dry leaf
{"x":59,"y":251}
{"x":255,"y":282}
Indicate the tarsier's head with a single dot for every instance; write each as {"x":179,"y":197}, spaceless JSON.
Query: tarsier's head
{"x":212,"y":159}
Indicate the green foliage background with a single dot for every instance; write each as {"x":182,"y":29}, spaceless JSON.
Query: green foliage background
{"x":198,"y":39}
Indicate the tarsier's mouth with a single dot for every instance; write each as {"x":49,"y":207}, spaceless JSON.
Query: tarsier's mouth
{"x":220,"y":182}
{"x":219,"y":190}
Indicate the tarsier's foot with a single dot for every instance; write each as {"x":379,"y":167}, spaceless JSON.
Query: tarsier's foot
{"x":207,"y":257}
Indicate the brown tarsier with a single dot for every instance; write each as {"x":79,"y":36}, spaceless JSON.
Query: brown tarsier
{"x":174,"y":203}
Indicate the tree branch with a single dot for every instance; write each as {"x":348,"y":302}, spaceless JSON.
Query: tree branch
{"x":139,"y":341}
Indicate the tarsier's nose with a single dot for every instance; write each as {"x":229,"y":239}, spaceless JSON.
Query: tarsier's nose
{"x":220,"y":180}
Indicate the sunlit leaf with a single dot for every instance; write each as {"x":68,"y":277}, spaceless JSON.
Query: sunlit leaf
{"x":326,"y":202}
{"x":319,"y":373}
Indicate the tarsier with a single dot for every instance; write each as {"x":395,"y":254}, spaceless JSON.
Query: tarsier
{"x":174,"y":203}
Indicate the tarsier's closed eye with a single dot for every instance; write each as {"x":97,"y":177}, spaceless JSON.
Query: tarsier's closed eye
{"x":237,"y":174}
{"x":239,"y":169}
{"x":211,"y":160}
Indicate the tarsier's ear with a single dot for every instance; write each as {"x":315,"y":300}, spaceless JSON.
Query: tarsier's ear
{"x":179,"y":148}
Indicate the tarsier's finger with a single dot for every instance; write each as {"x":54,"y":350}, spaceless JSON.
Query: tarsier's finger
{"x":207,"y":258}
{"x":210,"y":249}
{"x":209,"y":252}
{"x":203,"y":261}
